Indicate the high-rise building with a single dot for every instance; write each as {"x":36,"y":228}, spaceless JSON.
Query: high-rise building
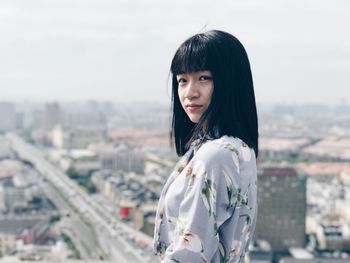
{"x":53,"y":115}
{"x":282,"y":208}
{"x":7,"y":116}
{"x":19,"y":120}
{"x":34,"y":119}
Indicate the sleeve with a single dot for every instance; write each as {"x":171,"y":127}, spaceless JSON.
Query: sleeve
{"x":208,"y":201}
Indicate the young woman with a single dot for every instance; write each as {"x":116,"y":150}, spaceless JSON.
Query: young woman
{"x":207,"y":209}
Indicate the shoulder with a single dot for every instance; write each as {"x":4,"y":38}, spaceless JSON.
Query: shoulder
{"x":225,"y":148}
{"x":228,"y":156}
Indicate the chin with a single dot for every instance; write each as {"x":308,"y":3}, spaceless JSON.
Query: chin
{"x":194,"y":119}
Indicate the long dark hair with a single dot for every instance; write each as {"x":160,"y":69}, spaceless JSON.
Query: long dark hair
{"x":232,"y":110}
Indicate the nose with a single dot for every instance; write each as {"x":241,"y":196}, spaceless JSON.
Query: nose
{"x":192,"y":90}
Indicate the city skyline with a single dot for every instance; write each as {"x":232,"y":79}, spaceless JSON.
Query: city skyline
{"x":102,"y":166}
{"x":121,"y":51}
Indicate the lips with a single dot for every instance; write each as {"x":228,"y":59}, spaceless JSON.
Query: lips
{"x":193,"y":106}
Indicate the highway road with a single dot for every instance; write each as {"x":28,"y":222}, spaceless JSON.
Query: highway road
{"x":118,"y":242}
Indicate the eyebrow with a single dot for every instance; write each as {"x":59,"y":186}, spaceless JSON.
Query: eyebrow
{"x":206,"y":71}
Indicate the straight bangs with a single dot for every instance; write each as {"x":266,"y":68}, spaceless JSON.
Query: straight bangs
{"x":191,"y":56}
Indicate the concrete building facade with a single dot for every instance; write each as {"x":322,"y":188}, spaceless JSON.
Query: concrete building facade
{"x":282,"y":208}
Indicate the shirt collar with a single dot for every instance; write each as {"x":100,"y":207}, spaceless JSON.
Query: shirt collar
{"x":202,"y":137}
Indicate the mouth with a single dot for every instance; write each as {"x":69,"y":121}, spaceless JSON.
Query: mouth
{"x":193,"y":107}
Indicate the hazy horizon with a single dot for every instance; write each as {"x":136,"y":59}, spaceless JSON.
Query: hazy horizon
{"x":121,"y":51}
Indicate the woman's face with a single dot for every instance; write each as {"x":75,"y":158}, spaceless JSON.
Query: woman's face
{"x":195,"y":91}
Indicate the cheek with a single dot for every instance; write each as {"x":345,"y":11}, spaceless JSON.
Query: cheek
{"x":209,"y":93}
{"x":180,"y":94}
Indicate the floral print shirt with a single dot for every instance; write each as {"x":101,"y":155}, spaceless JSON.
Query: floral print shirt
{"x":208,"y":207}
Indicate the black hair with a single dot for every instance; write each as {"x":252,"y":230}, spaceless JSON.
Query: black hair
{"x":232,"y":110}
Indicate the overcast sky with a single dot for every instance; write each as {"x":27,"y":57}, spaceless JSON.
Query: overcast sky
{"x":121,"y":50}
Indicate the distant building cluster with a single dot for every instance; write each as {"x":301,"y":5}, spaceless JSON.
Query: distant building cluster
{"x":123,"y":160}
{"x":120,"y":187}
{"x":7,"y":116}
{"x":120,"y":155}
{"x":26,"y":216}
{"x":136,"y":201}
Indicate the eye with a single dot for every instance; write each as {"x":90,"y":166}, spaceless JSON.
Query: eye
{"x":205,"y":78}
{"x":181,"y":81}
